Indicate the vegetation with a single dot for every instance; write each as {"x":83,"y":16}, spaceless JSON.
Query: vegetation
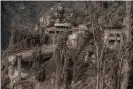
{"x":91,"y":65}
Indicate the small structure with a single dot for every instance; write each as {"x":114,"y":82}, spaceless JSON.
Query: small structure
{"x":113,"y":37}
{"x":57,"y":30}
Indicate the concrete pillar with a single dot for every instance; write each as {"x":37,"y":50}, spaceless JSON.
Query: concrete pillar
{"x":19,"y":67}
{"x":19,"y":70}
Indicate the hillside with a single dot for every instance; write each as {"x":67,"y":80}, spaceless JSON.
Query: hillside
{"x":25,"y":15}
{"x":90,"y":64}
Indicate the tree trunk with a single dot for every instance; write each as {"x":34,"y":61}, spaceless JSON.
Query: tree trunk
{"x":125,"y":76}
{"x":62,"y":60}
